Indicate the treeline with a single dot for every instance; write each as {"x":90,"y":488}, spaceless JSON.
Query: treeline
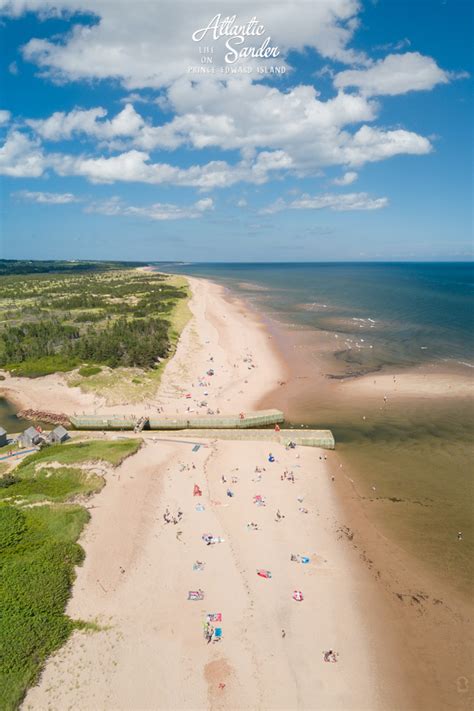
{"x":134,"y":343}
{"x":129,"y":343}
{"x":20,"y":266}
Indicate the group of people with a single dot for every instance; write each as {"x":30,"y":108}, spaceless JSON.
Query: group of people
{"x":169,"y":518}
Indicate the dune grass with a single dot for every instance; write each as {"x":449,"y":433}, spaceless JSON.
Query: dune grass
{"x":38,"y":555}
{"x":58,"y":484}
{"x":79,"y":452}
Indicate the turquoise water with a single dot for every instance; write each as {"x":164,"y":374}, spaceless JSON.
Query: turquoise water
{"x":357,"y":319}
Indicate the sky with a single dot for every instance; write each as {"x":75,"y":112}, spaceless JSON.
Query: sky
{"x":155,"y":130}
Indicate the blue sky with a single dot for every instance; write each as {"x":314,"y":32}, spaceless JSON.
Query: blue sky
{"x":355,"y":144}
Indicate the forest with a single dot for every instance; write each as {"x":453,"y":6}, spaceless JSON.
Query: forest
{"x":58,"y":321}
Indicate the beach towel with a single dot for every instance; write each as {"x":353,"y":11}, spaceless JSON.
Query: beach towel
{"x":195,"y":595}
{"x":214,"y":616}
{"x":297,"y":595}
{"x":264,"y":573}
{"x":218,"y":633}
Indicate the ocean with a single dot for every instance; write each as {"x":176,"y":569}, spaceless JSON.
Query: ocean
{"x":410,"y":457}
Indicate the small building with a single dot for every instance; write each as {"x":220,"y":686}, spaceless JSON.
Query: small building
{"x":58,"y":435}
{"x":3,"y":437}
{"x":30,"y":437}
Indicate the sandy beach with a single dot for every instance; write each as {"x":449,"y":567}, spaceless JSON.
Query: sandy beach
{"x":222,"y":335}
{"x":151,"y":652}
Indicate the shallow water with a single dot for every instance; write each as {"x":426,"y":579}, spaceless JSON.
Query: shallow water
{"x":338,"y":321}
{"x":8,"y":419}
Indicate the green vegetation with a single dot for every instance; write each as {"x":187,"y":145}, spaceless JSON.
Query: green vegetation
{"x":57,"y":322}
{"x":87,"y":370}
{"x":77,"y":453}
{"x":36,"y":367}
{"x":18,"y":266}
{"x":58,"y":484}
{"x":38,"y":554}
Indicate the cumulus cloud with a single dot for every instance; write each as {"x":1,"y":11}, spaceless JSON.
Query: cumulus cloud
{"x":310,"y":133}
{"x":46,"y":198}
{"x":136,"y":166}
{"x":395,"y":74}
{"x":294,"y":130}
{"x":157,"y":211}
{"x":346,"y":179}
{"x":338,"y":203}
{"x":148,"y":44}
{"x":60,"y":126}
{"x":21,"y":157}
{"x":277,"y":131}
{"x":369,"y":144}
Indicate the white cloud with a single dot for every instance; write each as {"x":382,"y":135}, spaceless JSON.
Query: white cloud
{"x":242,"y":202}
{"x":60,"y":126}
{"x":309,"y":132}
{"x":373,"y":144}
{"x":5,"y":117}
{"x":395,"y":74}
{"x":135,"y":166}
{"x":157,"y":211}
{"x":204,"y":204}
{"x":338,"y":203}
{"x":346,"y":179}
{"x":148,"y":44}
{"x":46,"y":198}
{"x":21,"y":157}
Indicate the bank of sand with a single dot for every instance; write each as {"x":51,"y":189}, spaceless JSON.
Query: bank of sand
{"x":219,"y":328}
{"x":151,"y":653}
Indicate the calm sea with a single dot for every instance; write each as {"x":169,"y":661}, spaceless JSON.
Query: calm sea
{"x":418,"y":312}
{"x":358,"y":319}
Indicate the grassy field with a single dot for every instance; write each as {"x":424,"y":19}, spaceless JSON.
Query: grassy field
{"x":39,"y":552}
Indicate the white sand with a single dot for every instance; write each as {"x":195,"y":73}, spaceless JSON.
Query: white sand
{"x":138,"y":571}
